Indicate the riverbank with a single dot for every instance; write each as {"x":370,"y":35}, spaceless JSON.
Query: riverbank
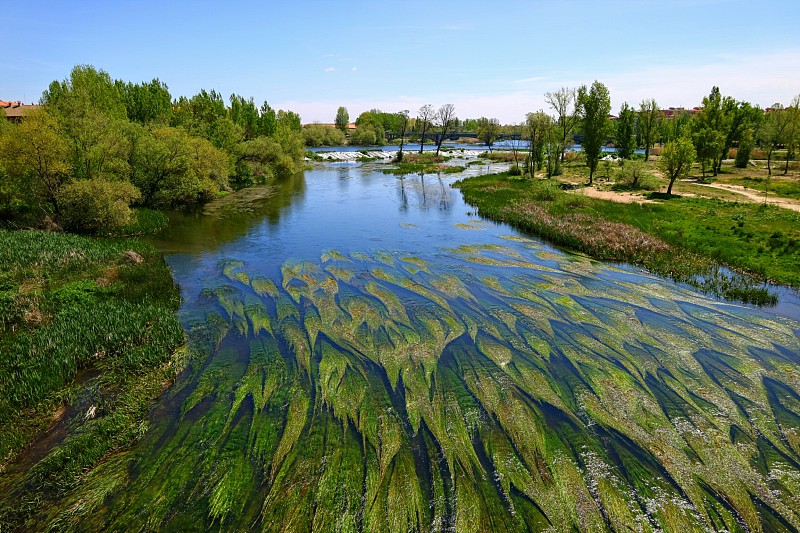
{"x":88,"y":339}
{"x":690,"y":240}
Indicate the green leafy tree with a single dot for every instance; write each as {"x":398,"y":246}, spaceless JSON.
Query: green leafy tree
{"x":745,"y":149}
{"x":342,"y":119}
{"x":243,"y":113}
{"x":86,"y":89}
{"x":707,"y":144}
{"x":261,"y":159}
{"x":647,"y":124}
{"x":35,"y":157}
{"x":98,"y":204}
{"x":146,"y":102}
{"x":626,"y":132}
{"x":318,"y":135}
{"x":267,"y":120}
{"x":92,"y":115}
{"x":729,"y":119}
{"x":538,"y":128}
{"x":741,"y":120}
{"x":676,"y":160}
{"x":772,"y":132}
{"x":594,"y":105}
{"x":171,"y":167}
{"x":488,"y":130}
{"x":791,"y":135}
{"x":198,"y":114}
{"x":364,"y":136}
{"x":289,"y":120}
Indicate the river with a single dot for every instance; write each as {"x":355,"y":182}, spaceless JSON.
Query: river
{"x":372,"y":356}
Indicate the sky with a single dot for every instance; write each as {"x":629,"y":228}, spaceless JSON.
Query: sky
{"x":493,"y":59}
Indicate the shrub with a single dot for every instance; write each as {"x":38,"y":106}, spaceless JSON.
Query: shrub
{"x":636,"y":175}
{"x":97,"y":204}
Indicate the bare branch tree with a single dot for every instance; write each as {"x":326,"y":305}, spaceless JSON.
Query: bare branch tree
{"x":444,"y":120}
{"x":563,"y":103}
{"x":424,"y":118}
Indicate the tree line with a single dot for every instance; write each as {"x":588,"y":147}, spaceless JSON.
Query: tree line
{"x":97,"y":146}
{"x":705,"y":134}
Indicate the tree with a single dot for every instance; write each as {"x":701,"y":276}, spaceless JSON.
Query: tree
{"x":244,"y":114}
{"x":424,"y":118}
{"x":98,"y":204}
{"x":745,"y":149}
{"x":791,"y":135}
{"x":290,"y":120}
{"x":146,"y":102}
{"x":171,"y":167}
{"x":538,"y":128}
{"x":594,"y":105}
{"x":647,"y":124}
{"x":404,"y":124}
{"x":342,"y":119}
{"x":92,"y":115}
{"x":726,"y":117}
{"x":741,"y":119}
{"x":35,"y":155}
{"x":267,"y":120}
{"x":707,"y":144}
{"x":676,"y":160}
{"x":626,"y":132}
{"x":772,"y":132}
{"x":319,"y":135}
{"x":563,"y":102}
{"x":444,"y":120}
{"x":488,"y":128}
{"x":86,"y":89}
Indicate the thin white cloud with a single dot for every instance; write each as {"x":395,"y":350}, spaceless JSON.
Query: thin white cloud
{"x":330,"y":69}
{"x":354,"y":69}
{"x":531,"y":80}
{"x":758,"y":79}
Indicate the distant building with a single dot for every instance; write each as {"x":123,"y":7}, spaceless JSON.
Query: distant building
{"x":16,"y":110}
{"x":671,"y":112}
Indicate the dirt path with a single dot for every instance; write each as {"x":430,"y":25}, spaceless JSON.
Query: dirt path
{"x":754,"y":196}
{"x":614,"y":196}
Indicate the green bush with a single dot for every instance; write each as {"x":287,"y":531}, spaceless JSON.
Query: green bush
{"x":97,"y":204}
{"x":635,"y":175}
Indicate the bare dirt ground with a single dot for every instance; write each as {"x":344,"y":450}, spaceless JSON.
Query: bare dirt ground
{"x":754,"y":196}
{"x":622,"y":197}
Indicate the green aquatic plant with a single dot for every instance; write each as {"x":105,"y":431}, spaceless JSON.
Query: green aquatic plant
{"x":477,"y":392}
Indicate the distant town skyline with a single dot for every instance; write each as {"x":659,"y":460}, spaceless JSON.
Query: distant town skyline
{"x":494,"y":60}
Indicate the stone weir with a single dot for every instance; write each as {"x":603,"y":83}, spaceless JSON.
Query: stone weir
{"x":382,"y":154}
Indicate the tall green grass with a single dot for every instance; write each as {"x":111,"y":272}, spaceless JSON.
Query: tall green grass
{"x":99,"y":310}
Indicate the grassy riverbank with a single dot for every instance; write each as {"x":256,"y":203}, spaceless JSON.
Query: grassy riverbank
{"x":686,"y":239}
{"x":88,"y":338}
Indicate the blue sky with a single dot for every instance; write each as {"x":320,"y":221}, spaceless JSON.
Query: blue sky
{"x":494,"y":59}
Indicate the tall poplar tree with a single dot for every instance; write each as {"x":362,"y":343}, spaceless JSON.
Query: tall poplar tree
{"x":593,"y":106}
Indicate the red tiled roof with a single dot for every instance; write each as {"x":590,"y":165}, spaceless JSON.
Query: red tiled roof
{"x":16,"y":109}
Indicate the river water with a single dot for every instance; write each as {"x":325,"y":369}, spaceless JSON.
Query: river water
{"x":372,"y":356}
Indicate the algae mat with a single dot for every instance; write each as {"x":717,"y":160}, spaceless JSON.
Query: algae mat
{"x":497,"y":387}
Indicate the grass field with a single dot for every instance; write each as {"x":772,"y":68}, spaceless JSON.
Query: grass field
{"x":685,"y":236}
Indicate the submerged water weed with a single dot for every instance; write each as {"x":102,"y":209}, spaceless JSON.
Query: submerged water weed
{"x":358,"y":396}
